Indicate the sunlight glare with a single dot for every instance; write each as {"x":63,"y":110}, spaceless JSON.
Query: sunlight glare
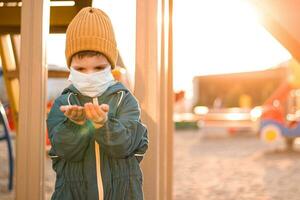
{"x":215,"y":37}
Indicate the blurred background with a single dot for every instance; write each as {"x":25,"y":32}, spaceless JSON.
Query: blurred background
{"x":236,"y":92}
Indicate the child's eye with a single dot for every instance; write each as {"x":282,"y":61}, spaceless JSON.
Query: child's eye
{"x":99,"y":68}
{"x":80,"y":69}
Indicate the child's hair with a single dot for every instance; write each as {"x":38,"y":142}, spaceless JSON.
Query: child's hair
{"x":87,"y":53}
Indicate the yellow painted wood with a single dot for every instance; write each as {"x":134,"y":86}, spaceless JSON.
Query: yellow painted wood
{"x":10,"y":75}
{"x":60,"y":17}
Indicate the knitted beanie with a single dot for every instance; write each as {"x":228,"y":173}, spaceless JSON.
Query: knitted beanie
{"x":91,"y":30}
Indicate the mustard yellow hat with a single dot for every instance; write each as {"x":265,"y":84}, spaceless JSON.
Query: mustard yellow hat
{"x":91,"y":30}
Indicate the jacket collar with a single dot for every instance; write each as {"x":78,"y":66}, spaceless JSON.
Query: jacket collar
{"x":116,"y":87}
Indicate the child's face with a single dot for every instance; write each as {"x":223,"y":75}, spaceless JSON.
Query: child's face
{"x":89,"y":64}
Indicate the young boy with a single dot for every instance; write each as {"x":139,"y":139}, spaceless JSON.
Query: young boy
{"x":94,"y":127}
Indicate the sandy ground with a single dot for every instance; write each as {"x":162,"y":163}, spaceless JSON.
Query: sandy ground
{"x":214,"y":166}
{"x":4,"y":193}
{"x":218,"y":167}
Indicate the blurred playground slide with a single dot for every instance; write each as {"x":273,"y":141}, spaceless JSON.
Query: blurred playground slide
{"x":281,"y":111}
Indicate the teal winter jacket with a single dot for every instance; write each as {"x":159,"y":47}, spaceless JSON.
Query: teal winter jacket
{"x":123,"y":141}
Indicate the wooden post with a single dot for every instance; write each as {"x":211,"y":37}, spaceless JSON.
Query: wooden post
{"x":147,"y":90}
{"x":166,"y":103}
{"x":170,"y":100}
{"x":153,"y":88}
{"x":33,"y":75}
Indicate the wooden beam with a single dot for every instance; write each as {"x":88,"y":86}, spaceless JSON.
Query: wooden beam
{"x":282,"y":35}
{"x":5,"y":1}
{"x":58,"y":74}
{"x":33,"y":76}
{"x":162,"y":103}
{"x":84,"y":3}
{"x":60,"y":17}
{"x":9,"y":73}
{"x":16,"y":45}
{"x":10,"y":16}
{"x":147,"y":90}
{"x":154,"y":92}
{"x":278,"y":17}
{"x":51,"y":74}
{"x":170,"y":101}
{"x":166,"y":103}
{"x":12,"y":75}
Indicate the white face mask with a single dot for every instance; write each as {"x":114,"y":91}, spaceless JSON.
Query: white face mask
{"x":93,"y":84}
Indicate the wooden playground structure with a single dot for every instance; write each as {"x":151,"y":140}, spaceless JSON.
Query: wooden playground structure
{"x":22,"y":51}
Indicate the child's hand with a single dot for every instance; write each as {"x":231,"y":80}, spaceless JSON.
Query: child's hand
{"x":74,"y":113}
{"x":96,"y":113}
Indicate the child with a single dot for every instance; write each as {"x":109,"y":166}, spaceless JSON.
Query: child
{"x":94,"y":127}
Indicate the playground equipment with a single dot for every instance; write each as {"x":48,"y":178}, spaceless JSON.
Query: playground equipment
{"x":281,"y":111}
{"x":7,"y":138}
{"x":233,"y":101}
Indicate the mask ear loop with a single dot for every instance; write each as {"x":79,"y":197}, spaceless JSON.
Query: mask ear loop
{"x":69,"y":103}
{"x":122,"y":94}
{"x":69,"y":96}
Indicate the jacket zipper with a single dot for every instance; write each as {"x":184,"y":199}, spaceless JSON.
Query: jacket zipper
{"x":98,"y":164}
{"x":97,"y":154}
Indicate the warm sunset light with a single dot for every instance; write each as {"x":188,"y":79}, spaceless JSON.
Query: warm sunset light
{"x":210,"y":37}
{"x":213,"y":37}
{"x":149,"y":99}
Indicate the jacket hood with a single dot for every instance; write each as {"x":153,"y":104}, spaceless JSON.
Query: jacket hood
{"x":116,"y":87}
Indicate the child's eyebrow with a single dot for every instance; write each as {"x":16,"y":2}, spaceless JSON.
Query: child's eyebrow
{"x":102,"y":65}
